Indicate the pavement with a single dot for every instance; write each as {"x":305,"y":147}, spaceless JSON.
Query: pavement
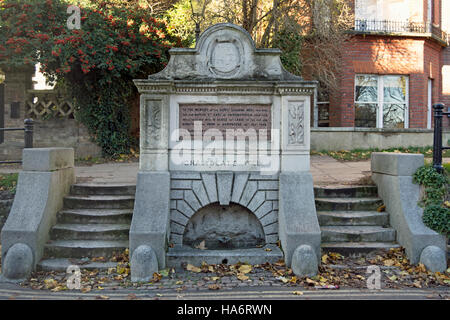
{"x":325,"y":170}
{"x":14,"y":292}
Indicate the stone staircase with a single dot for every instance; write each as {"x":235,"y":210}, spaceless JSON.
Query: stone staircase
{"x":94,"y":222}
{"x":350,"y":222}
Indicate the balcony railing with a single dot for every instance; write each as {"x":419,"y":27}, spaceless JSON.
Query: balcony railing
{"x":387,"y":26}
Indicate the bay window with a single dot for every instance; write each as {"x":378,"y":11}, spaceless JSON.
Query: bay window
{"x":381,"y":101}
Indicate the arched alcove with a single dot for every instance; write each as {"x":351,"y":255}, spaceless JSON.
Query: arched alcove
{"x":224,"y":227}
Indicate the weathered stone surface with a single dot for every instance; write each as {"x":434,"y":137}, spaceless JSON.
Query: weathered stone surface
{"x":297,"y":216}
{"x":224,"y":186}
{"x":257,"y":201}
{"x":17,"y":264}
{"x":39,"y":196}
{"x":150,"y":223}
{"x":209,"y":181}
{"x":396,"y":164}
{"x":190,"y":198}
{"x":401,"y":197}
{"x":238,"y":187}
{"x":249,"y":192}
{"x":143,"y":264}
{"x":200,"y":192}
{"x":304,"y":261}
{"x":47,"y":159}
{"x":184,"y":208}
{"x":434,"y":259}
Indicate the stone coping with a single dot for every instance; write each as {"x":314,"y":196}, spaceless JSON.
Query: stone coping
{"x":372,"y":130}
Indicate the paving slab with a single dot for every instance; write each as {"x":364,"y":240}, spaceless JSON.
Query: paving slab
{"x":325,"y":171}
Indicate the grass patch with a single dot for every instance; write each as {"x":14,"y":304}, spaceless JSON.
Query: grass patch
{"x":8,"y":182}
{"x":364,"y":154}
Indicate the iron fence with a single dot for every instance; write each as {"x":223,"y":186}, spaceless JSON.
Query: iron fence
{"x":28,"y":137}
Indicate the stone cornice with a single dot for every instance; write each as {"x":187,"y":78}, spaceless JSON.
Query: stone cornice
{"x":234,"y":88}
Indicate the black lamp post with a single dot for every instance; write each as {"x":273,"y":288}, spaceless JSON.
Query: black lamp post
{"x":198,"y":12}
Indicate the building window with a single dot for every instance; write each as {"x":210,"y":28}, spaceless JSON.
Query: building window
{"x":381,"y":101}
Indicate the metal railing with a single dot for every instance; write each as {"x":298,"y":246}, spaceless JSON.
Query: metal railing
{"x":437,"y":136}
{"x":390,"y":26}
{"x":28,"y":137}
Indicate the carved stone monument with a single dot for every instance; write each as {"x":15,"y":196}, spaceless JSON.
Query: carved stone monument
{"x":224,"y":168}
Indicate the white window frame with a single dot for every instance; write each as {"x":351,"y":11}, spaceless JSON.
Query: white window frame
{"x":380,"y":103}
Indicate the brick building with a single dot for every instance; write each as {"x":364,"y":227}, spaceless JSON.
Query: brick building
{"x":395,"y":65}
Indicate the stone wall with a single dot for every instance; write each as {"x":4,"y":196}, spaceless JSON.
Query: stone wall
{"x":335,"y":138}
{"x":191,"y":191}
{"x":57,"y":132}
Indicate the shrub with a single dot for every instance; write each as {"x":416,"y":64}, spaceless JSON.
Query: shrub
{"x":436,"y":214}
{"x":96,"y":64}
{"x":437,"y":218}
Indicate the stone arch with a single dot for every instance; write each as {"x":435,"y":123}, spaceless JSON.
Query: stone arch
{"x":224,"y":227}
{"x":192,"y":192}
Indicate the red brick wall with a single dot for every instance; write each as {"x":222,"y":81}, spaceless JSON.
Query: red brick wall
{"x":416,"y":57}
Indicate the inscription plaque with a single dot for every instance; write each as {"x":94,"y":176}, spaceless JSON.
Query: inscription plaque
{"x":223,"y":117}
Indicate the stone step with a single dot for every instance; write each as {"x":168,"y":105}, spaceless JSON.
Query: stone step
{"x":61,"y":264}
{"x":103,"y":189}
{"x":94,"y":216}
{"x":90,"y":231}
{"x":348,"y":204}
{"x":353,"y":218}
{"x":357,"y":234}
{"x":178,"y":257}
{"x":352,"y":248}
{"x":346,"y":192}
{"x":84,"y":248}
{"x":99,"y":202}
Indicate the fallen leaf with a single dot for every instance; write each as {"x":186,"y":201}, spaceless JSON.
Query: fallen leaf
{"x":102,"y":297}
{"x":389,"y":262}
{"x":393,"y":278}
{"x":297,"y":293}
{"x":283,"y":279}
{"x":179,"y":282}
{"x":324,"y":258}
{"x":86,"y":289}
{"x":245,"y":268}
{"x":293,"y":279}
{"x":192,"y":268}
{"x":242,"y":277}
{"x":50,"y":283}
{"x":214,"y":286}
{"x":156,"y":276}
{"x":268,"y":249}
{"x":381,"y":208}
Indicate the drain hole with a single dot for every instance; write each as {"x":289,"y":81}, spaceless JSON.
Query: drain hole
{"x":225,"y":261}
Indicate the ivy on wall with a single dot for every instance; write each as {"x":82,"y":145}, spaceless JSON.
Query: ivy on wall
{"x":436,"y":213}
